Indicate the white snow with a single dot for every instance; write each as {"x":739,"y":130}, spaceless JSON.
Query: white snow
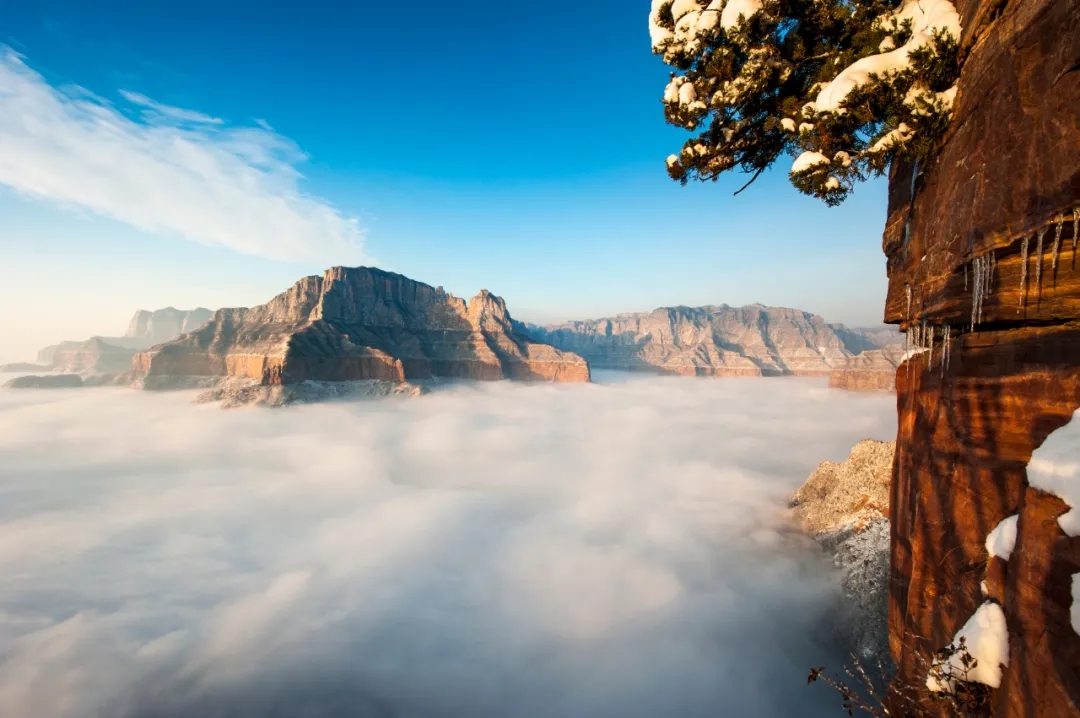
{"x":1055,"y":468}
{"x":927,"y":16}
{"x":672,"y":160}
{"x":893,"y":137}
{"x":805,"y":127}
{"x":657,"y":34}
{"x":788,"y":124}
{"x":832,"y":183}
{"x":1002,"y":540}
{"x":687,"y":93}
{"x":807,"y":160}
{"x":1074,"y":611}
{"x":736,"y":8}
{"x":983,"y":588}
{"x":986,"y":638}
{"x":671,"y":92}
{"x":843,"y":157}
{"x":889,"y":43}
{"x":682,"y":8}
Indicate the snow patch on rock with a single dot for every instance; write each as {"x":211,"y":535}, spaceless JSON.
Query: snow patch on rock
{"x":1055,"y":469}
{"x":1002,"y":540}
{"x":986,"y":639}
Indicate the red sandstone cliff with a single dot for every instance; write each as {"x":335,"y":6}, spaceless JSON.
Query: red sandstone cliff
{"x":982,"y":263}
{"x":360,"y":323}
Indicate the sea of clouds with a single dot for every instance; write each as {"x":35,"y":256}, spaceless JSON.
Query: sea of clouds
{"x":617,"y":550}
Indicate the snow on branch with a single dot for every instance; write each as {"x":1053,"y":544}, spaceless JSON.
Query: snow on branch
{"x":862,"y":82}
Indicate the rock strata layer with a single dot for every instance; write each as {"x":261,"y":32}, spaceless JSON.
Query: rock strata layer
{"x":983,"y":267}
{"x":359,"y":324}
{"x":714,"y":341}
{"x":873,"y":370}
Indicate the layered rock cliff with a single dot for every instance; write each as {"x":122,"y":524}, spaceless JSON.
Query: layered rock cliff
{"x":713,"y":341}
{"x":357,"y":324}
{"x":873,"y":370}
{"x":982,"y":263}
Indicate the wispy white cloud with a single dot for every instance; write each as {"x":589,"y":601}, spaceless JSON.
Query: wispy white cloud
{"x":170,"y":171}
{"x":157,"y":111}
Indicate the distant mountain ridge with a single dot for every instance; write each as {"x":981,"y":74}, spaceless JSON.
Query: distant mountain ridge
{"x":357,"y":324}
{"x":108,"y":355}
{"x":715,"y":340}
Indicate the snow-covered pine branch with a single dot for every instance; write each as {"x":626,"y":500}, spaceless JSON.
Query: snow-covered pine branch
{"x":843,"y":86}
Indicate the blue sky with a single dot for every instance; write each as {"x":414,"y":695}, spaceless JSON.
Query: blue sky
{"x":213,"y":152}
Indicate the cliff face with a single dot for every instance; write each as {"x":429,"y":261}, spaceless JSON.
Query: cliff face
{"x":361,"y":323}
{"x":982,"y":263}
{"x":873,"y":370}
{"x":712,"y":341}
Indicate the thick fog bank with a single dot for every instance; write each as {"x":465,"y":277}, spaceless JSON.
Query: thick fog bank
{"x":487,"y":551}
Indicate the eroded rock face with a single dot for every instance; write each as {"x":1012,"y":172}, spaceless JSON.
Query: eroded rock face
{"x":94,"y":356}
{"x":355,"y":324}
{"x":982,"y":245}
{"x":713,"y":341}
{"x":873,"y":370}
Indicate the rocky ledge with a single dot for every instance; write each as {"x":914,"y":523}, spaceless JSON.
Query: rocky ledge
{"x":48,"y":381}
{"x":845,"y":507}
{"x":358,"y":324}
{"x":236,"y":391}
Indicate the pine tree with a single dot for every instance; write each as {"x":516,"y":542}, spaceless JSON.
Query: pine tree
{"x":845,"y":86}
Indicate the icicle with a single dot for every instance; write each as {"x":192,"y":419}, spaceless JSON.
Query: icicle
{"x":1038,"y":266}
{"x":976,"y":293}
{"x":1076,"y":227}
{"x":1023,"y":272}
{"x":1057,"y":244}
{"x":907,"y":288}
{"x":947,"y":340}
{"x":965,"y":276}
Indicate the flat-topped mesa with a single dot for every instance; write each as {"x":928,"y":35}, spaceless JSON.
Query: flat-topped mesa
{"x":711,"y":341}
{"x":356,"y":323}
{"x":162,"y":325}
